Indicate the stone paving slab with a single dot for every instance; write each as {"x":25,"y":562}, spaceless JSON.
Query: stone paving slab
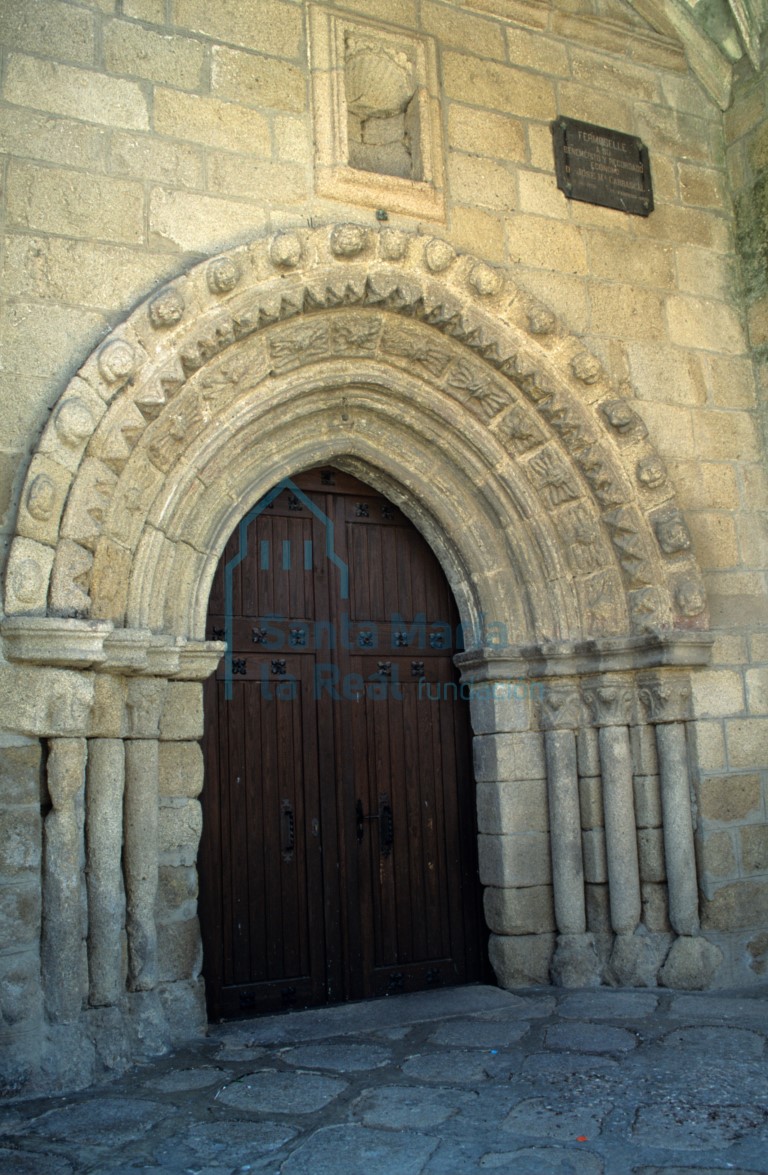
{"x":448,"y":1082}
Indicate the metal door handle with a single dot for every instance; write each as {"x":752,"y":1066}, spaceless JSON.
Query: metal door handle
{"x":289,"y":829}
{"x":386,"y":826}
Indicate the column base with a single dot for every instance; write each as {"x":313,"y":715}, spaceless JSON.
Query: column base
{"x":575,"y":962}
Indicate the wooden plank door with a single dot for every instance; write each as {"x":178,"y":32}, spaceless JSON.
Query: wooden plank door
{"x":338,"y":857}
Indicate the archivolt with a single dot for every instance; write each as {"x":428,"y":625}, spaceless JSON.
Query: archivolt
{"x":431,"y":375}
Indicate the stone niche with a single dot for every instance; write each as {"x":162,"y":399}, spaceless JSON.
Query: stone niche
{"x":382,"y":109}
{"x":378,"y":138}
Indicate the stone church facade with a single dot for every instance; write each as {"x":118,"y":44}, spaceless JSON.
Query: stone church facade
{"x":242,"y":240}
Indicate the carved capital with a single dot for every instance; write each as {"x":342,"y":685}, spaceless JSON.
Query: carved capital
{"x":666,"y":699}
{"x":609,"y":702}
{"x":561,"y":708}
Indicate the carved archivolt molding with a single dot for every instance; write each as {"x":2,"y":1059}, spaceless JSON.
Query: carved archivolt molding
{"x":430,"y":373}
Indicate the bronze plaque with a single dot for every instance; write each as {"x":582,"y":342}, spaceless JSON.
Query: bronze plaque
{"x":602,"y":166}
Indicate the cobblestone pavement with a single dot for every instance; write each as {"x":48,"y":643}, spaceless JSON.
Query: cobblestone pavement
{"x":446,"y":1083}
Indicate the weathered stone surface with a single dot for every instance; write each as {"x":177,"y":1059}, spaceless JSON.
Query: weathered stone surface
{"x":354,"y":1148}
{"x":179,"y":950}
{"x":63,"y":948}
{"x":590,"y":1038}
{"x":575,"y":963}
{"x":528,"y":910}
{"x":635,"y":960}
{"x":742,"y":903}
{"x":691,"y":964}
{"x":338,"y":1058}
{"x":180,"y":767}
{"x":521,"y":960}
{"x":271,"y":1091}
{"x":106,"y":898}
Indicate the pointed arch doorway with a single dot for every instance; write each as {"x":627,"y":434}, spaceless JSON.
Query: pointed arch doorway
{"x":339,"y":855}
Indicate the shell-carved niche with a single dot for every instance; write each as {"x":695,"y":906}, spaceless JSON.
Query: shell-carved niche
{"x":382,"y":116}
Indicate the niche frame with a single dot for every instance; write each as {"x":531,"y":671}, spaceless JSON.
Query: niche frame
{"x":335,"y":179}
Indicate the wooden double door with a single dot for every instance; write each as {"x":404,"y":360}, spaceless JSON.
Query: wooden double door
{"x":338,"y":858}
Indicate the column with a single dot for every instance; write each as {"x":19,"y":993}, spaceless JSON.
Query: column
{"x":561,"y":714}
{"x":610,"y":703}
{"x":575,"y":962}
{"x":106,"y":900}
{"x":145,"y":698}
{"x":667,"y":703}
{"x":63,"y":957}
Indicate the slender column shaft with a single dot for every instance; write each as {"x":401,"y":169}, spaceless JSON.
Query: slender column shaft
{"x":678,"y":827}
{"x":141,"y":805}
{"x":63,"y":956}
{"x":106,"y":902}
{"x":565,"y":831}
{"x":620,"y":833}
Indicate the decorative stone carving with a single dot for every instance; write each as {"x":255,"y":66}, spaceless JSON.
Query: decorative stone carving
{"x":27,"y":580}
{"x":690,"y":597}
{"x":552,"y":478}
{"x":586,"y":367}
{"x":672,"y":533}
{"x":215,"y":358}
{"x":485,"y":280}
{"x":561,"y":708}
{"x":623,"y":418}
{"x":393,"y":244}
{"x":645,"y":610}
{"x":144,"y":705}
{"x":601,"y":478}
{"x":349,"y":240}
{"x":379,"y":80}
{"x":382,"y":108}
{"x":74,"y":422}
{"x":603,"y":601}
{"x":300,"y":346}
{"x":566,"y":421}
{"x":489,"y":395}
{"x":408,"y":346}
{"x":519,"y":430}
{"x":666,"y":699}
{"x":651,"y":472}
{"x":438,"y":255}
{"x":71,"y":579}
{"x":583,"y":543}
{"x":285,"y":250}
{"x":355,"y":335}
{"x":117,"y":361}
{"x":41,"y":497}
{"x":166,"y":309}
{"x":223,"y":274}
{"x":627,"y":539}
{"x":610,"y":704}
{"x":68,"y":705}
{"x":541,"y":321}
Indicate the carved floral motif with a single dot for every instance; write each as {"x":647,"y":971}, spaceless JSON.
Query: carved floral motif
{"x":117,"y":361}
{"x":552,"y":478}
